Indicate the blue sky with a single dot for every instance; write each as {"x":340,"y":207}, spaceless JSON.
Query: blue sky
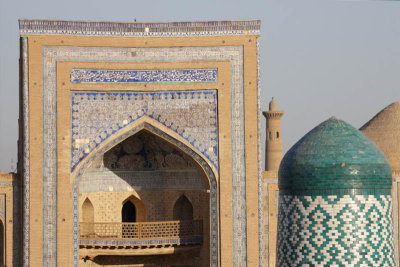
{"x":318,"y":58}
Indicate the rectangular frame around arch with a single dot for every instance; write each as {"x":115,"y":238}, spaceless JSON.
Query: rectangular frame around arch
{"x":233,"y":54}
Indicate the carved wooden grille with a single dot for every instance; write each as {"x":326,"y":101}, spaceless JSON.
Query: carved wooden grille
{"x":141,"y":230}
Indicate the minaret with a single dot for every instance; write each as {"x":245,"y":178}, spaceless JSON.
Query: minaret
{"x":273,"y":144}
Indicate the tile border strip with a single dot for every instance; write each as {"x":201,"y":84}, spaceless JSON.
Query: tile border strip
{"x":144,"y":76}
{"x":139,"y":29}
{"x":26,"y":152}
{"x":259,"y":161}
{"x":118,"y":242}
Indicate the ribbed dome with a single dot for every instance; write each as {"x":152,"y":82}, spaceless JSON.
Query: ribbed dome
{"x":384,"y":131}
{"x":334,"y":155}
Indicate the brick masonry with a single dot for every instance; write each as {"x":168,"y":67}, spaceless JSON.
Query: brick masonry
{"x":46,"y":172}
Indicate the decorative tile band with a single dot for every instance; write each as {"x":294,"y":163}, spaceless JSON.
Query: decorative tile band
{"x":26,"y":156}
{"x":98,"y":115}
{"x":144,"y":76}
{"x":137,"y":29}
{"x":16,"y":226}
{"x":183,"y":240}
{"x":261,"y":234}
{"x":352,"y":230}
{"x":336,"y":192}
{"x":234,"y":54}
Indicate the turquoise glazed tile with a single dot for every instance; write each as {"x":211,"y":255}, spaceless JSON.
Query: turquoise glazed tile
{"x":334,"y":155}
{"x":335,"y":206}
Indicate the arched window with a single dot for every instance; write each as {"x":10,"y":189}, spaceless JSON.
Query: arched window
{"x":277,"y":135}
{"x":270,"y":136}
{"x":87,"y":211}
{"x":128,"y":212}
{"x":183,"y":209}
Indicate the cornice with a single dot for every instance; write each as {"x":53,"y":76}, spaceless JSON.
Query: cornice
{"x":137,"y":29}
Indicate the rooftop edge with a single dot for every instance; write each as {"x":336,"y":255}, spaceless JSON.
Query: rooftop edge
{"x":146,"y":29}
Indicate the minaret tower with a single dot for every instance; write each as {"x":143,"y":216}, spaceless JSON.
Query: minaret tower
{"x":273,"y":144}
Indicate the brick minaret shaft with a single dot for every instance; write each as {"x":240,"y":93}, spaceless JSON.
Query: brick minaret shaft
{"x":273,"y":144}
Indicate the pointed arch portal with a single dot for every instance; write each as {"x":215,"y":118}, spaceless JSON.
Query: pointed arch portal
{"x":196,"y":156}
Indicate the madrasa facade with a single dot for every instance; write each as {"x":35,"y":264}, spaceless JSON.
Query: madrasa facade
{"x":140,"y":145}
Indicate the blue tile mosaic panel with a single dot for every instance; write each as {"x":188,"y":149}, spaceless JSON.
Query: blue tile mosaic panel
{"x":144,"y":76}
{"x":98,"y":115}
{"x":348,"y":230}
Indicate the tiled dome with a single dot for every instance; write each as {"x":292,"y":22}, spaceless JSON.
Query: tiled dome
{"x":384,"y":131}
{"x":334,"y":155}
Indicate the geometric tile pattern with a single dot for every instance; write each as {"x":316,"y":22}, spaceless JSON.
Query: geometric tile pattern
{"x":51,"y":55}
{"x":260,"y":156}
{"x":26,"y":158}
{"x":16,"y":227}
{"x":144,"y":76}
{"x":139,"y":29}
{"x":98,"y":115}
{"x":331,"y":230}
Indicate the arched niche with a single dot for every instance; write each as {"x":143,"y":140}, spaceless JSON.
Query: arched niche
{"x":201,"y":163}
{"x":133,"y":204}
{"x":87,"y":211}
{"x":137,"y":159}
{"x":87,"y":223}
{"x":183,"y":209}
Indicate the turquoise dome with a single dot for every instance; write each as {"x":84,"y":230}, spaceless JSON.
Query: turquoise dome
{"x":334,"y":156}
